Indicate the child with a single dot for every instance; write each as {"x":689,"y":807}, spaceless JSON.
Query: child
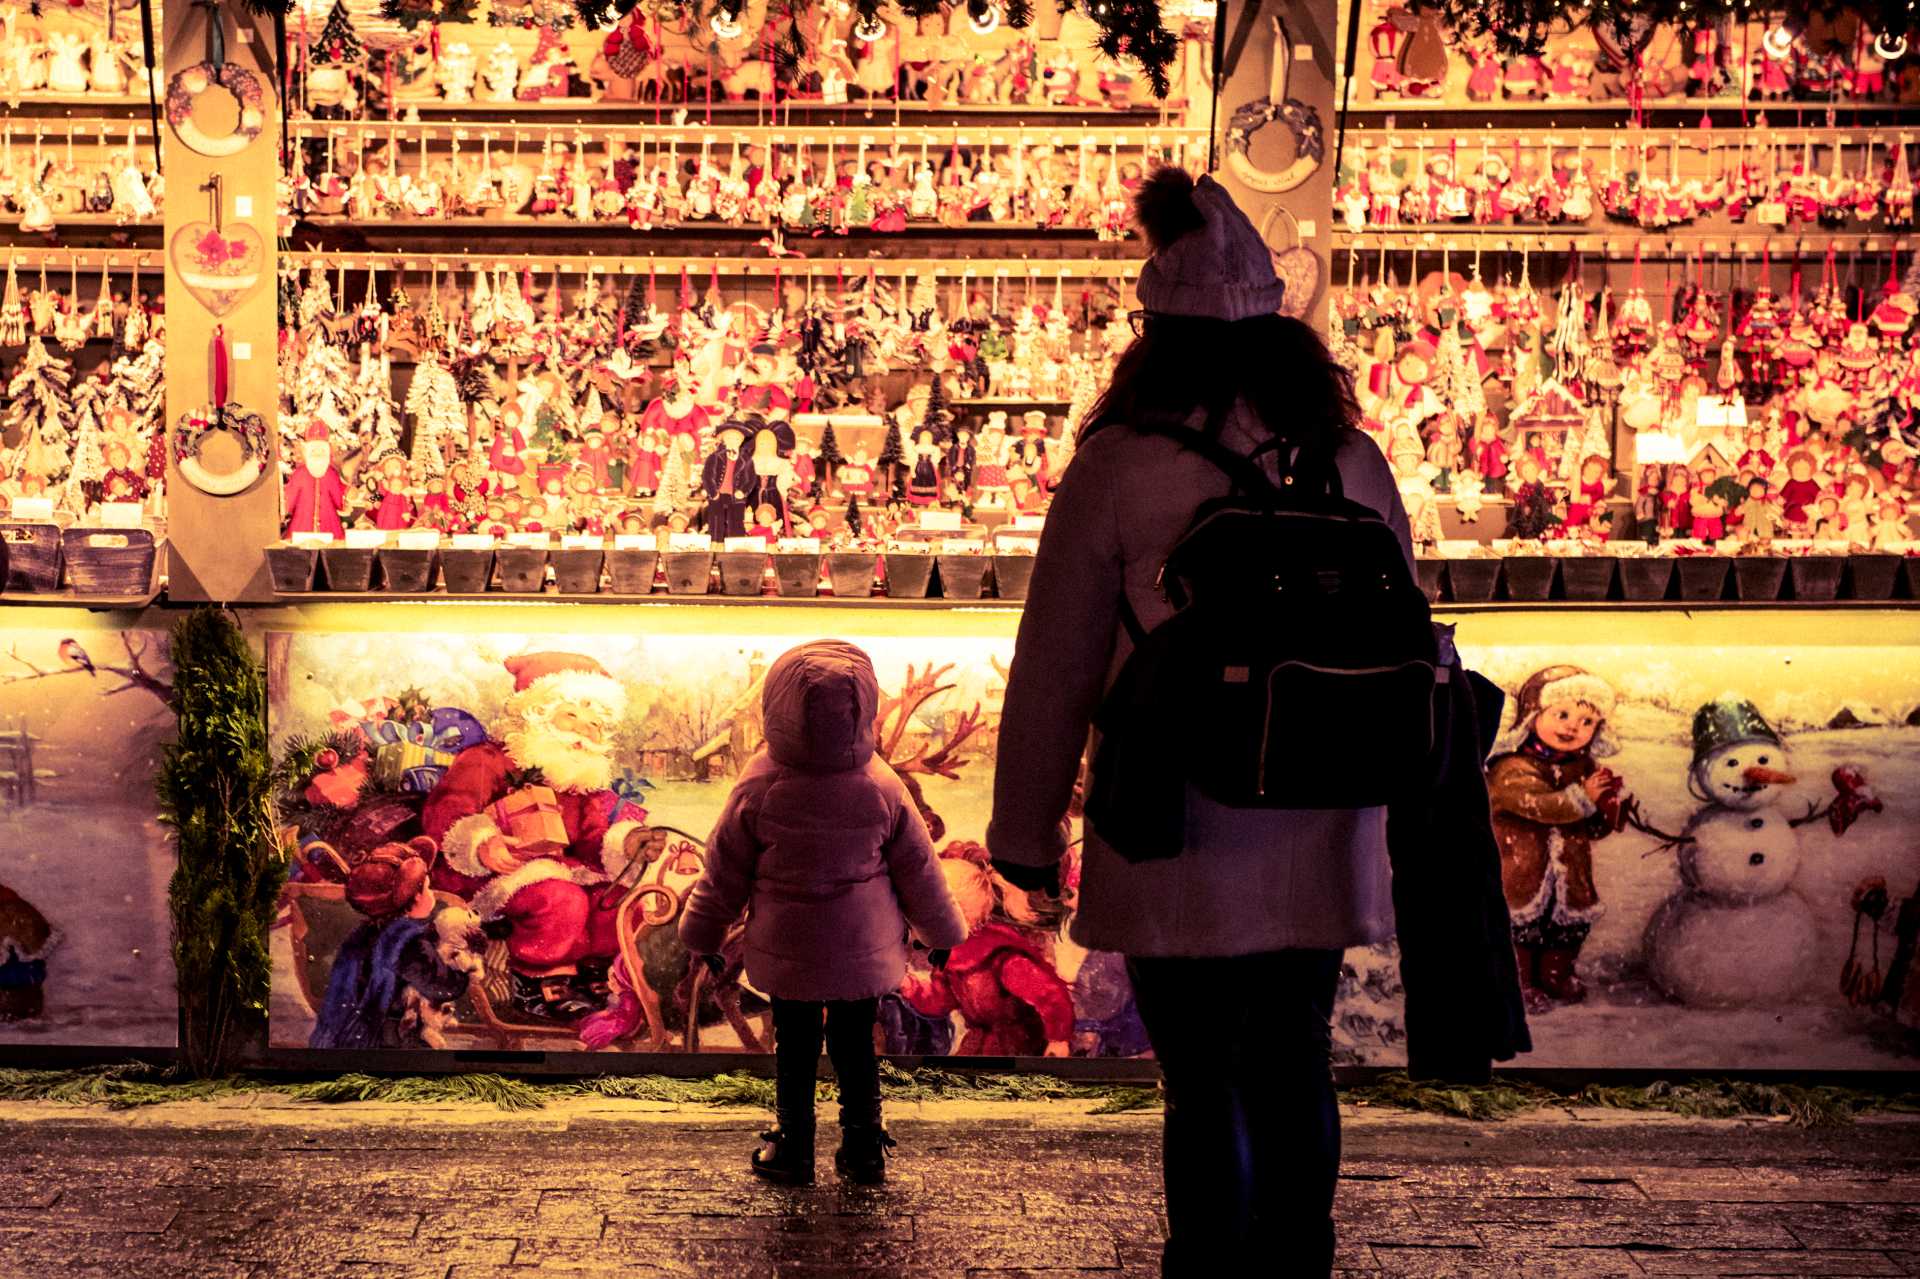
{"x":822,"y":845}
{"x":1551,"y":801}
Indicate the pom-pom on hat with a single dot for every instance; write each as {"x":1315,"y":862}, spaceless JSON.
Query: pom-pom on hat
{"x":1208,"y":260}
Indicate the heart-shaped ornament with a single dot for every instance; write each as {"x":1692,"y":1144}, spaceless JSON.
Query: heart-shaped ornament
{"x":220,"y":266}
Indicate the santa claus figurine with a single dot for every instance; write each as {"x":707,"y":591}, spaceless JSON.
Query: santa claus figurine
{"x":535,"y":858}
{"x":315,"y":493}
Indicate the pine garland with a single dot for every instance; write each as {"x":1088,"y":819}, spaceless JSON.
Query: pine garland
{"x":1522,"y":26}
{"x":214,"y":790}
{"x":132,"y":1085}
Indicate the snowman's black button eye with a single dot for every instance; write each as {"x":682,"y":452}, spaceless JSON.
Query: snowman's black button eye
{"x":1756,"y":823}
{"x":1756,"y":859}
{"x":1733,"y":763}
{"x":1763,"y":759}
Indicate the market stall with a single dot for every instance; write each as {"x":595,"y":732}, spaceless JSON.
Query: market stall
{"x":531,"y":369}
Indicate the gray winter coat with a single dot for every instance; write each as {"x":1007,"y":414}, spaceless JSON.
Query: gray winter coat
{"x":821,"y":844}
{"x":1249,"y":880}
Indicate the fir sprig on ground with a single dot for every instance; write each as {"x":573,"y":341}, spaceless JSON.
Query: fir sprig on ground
{"x":127,"y":1086}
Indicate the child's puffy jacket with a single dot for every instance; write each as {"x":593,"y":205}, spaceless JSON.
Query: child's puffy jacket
{"x":821,"y":844}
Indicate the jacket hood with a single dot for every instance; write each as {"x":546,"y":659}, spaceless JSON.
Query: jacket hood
{"x":820,"y":700}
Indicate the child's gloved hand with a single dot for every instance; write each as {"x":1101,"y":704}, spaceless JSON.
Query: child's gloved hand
{"x":1030,"y":879}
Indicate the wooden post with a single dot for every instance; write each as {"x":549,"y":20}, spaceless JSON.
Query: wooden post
{"x":216,"y":543}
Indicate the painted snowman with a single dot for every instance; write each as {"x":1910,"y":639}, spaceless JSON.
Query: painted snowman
{"x":1737,"y":934}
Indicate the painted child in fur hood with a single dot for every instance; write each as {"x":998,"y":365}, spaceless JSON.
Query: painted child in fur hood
{"x":1551,"y":801}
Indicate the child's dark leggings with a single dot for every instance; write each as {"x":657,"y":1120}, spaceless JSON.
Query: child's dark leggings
{"x":796,"y":1060}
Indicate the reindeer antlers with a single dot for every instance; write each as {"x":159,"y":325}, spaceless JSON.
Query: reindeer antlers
{"x":946,"y":762}
{"x":915,"y":692}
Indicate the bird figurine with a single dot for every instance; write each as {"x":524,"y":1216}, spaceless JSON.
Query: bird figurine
{"x":76,"y":657}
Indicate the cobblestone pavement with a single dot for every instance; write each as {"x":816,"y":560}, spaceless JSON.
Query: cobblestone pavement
{"x":261,"y":1189}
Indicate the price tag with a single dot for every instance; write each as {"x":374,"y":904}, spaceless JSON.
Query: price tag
{"x":1033,"y":523}
{"x":1308,"y":228}
{"x":312,"y":539}
{"x":798,"y":546}
{"x":1711,"y":410}
{"x":417,"y":539}
{"x":242,"y":206}
{"x":120,"y":515}
{"x":746,"y":544}
{"x":365,"y":537}
{"x":1016,"y":545}
{"x":960,"y":546}
{"x":909,"y":548}
{"x":943,"y":521}
{"x":529,"y":539}
{"x":33,"y":508}
{"x":243,"y":350}
{"x":582,"y":541}
{"x":473,"y":541}
{"x":634,"y":541}
{"x":689,"y":542}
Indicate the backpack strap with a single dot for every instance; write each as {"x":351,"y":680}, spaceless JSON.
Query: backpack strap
{"x":1243,"y":470}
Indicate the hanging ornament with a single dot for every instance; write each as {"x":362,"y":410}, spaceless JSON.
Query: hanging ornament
{"x":1301,"y":119}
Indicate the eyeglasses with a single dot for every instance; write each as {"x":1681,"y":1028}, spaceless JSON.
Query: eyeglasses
{"x":1138,"y":320}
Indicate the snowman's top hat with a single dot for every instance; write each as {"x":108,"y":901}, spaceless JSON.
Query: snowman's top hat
{"x":1729,"y":721}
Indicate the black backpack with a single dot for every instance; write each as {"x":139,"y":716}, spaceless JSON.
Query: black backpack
{"x":1299,"y":671}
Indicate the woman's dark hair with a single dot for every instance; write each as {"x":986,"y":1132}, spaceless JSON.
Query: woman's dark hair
{"x":1178,"y":363}
{"x":1278,"y":365}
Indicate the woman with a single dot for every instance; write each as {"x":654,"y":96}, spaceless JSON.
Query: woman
{"x":1234,"y":947}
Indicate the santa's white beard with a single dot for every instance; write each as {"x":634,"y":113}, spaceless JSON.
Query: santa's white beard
{"x":568,"y":761}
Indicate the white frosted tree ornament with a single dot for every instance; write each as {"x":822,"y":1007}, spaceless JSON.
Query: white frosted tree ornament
{"x":39,"y":414}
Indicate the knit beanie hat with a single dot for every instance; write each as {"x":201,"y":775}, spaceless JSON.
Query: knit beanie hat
{"x":1208,"y":260}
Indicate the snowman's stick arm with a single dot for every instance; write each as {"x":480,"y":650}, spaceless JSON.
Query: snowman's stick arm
{"x":1631,"y":816}
{"x":1814,"y":813}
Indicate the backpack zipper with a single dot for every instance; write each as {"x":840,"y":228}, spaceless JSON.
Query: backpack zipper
{"x":1266,"y":726}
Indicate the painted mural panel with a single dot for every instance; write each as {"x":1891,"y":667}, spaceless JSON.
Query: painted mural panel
{"x":1711,"y":850}
{"x":84,"y":861}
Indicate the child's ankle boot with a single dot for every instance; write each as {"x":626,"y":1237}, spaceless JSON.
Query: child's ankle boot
{"x":862,"y":1157}
{"x":787,"y":1157}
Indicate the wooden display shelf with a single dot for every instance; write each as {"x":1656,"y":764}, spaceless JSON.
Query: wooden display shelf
{"x":1413,"y":112}
{"x":722,"y":134}
{"x":60,"y":105}
{"x":553,"y":595}
{"x":1012,"y":273}
{"x":1692,"y":137}
{"x":66,"y":597}
{"x":1619,"y":241}
{"x":1010,"y":402}
{"x":792,"y":113}
{"x":520,"y":223}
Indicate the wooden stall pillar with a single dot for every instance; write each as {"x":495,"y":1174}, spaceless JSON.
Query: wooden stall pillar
{"x":216,"y":540}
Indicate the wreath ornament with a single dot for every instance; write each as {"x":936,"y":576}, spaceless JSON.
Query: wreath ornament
{"x":185,"y":89}
{"x":191,"y":432}
{"x":1301,"y":119}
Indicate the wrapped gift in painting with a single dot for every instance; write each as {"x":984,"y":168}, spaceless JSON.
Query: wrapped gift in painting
{"x":531,"y":817}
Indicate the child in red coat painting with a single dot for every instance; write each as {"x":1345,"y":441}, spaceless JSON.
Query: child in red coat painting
{"x":1000,"y":980}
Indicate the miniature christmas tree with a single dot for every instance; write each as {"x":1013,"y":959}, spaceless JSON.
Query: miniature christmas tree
{"x":89,"y":472}
{"x":937,"y":415}
{"x":433,"y":402}
{"x":338,"y":44}
{"x":854,"y":518}
{"x":39,"y":414}
{"x":893,"y":458}
{"x":831,"y":459}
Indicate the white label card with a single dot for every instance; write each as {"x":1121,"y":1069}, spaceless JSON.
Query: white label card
{"x":960,"y":546}
{"x":529,"y":539}
{"x":689,"y":542}
{"x":1030,"y":522}
{"x":33,"y":508}
{"x":120,"y":514}
{"x":582,"y":541}
{"x":746,"y":544}
{"x":417,"y":539}
{"x":945,"y":521}
{"x":312,"y":539}
{"x":634,"y":541}
{"x":364,"y":537}
{"x":473,"y":541}
{"x":798,"y":546}
{"x":243,"y":350}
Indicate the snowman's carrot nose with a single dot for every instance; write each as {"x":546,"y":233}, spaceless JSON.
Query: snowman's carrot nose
{"x":1758,"y":776}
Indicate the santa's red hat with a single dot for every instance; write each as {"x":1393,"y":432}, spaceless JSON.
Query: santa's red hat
{"x":566,"y":676}
{"x":318,"y":431}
